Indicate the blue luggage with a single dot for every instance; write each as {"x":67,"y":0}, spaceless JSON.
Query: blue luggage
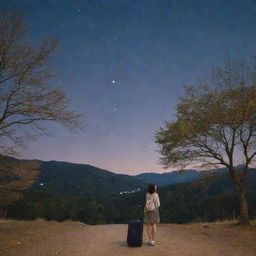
{"x":135,"y":233}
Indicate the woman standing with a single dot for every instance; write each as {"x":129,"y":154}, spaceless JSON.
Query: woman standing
{"x":151,"y":212}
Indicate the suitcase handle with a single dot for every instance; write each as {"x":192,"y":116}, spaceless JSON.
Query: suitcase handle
{"x":140,"y":212}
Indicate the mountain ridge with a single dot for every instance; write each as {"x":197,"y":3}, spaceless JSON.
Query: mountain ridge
{"x":176,"y":177}
{"x":83,"y":180}
{"x":79,"y":169}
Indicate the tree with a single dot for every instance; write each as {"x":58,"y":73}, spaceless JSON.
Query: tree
{"x":15,"y":177}
{"x":216,"y":125}
{"x":28,"y":98}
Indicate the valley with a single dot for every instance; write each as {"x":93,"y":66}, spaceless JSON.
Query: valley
{"x":91,"y":195}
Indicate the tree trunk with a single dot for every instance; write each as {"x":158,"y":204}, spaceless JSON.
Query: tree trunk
{"x":240,"y":183}
{"x":244,"y":215}
{"x":1,"y":213}
{"x":6,"y":212}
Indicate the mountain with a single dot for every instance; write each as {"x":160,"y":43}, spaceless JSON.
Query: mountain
{"x":168,"y":178}
{"x":69,"y":179}
{"x":92,"y":195}
{"x":73,"y":191}
{"x":175,"y":177}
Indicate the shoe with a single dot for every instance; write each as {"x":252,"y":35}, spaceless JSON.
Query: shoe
{"x":152,"y":243}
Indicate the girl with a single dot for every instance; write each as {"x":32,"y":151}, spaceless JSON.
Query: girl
{"x":151,"y":212}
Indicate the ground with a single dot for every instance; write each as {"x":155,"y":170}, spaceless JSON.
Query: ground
{"x":42,"y":238}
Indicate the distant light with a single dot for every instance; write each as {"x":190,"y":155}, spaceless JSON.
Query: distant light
{"x":114,"y":81}
{"x":41,"y":184}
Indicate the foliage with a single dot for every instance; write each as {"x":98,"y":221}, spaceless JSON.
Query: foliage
{"x":216,"y":125}
{"x":15,"y":177}
{"x":214,"y":121}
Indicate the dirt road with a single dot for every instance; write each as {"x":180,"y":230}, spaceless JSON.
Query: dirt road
{"x":41,"y":238}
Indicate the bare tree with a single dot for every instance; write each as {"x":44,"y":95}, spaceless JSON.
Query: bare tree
{"x":216,"y":124}
{"x":28,"y":98}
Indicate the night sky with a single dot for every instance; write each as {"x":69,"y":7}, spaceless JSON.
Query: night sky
{"x":124,"y":64}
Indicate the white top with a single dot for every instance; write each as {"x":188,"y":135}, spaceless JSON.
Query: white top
{"x":155,"y":198}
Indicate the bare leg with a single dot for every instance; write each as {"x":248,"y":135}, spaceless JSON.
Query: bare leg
{"x":149,"y":231}
{"x":153,"y":231}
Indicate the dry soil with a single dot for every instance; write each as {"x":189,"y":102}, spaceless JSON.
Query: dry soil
{"x":42,"y":238}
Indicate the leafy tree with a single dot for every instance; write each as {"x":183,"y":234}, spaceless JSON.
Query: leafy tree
{"x":216,"y":125}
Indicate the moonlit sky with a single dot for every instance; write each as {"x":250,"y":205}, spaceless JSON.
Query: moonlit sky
{"x":124,"y":64}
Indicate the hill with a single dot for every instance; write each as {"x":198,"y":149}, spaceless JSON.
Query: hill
{"x":44,"y":238}
{"x":168,"y":178}
{"x":176,"y":177}
{"x":69,"y":179}
{"x":77,"y":191}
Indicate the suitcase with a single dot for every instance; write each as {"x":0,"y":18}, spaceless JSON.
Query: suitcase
{"x":135,"y":233}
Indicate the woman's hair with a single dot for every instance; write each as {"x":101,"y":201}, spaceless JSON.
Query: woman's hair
{"x":151,"y":188}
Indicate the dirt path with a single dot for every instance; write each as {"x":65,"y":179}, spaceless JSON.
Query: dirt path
{"x":41,"y":238}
